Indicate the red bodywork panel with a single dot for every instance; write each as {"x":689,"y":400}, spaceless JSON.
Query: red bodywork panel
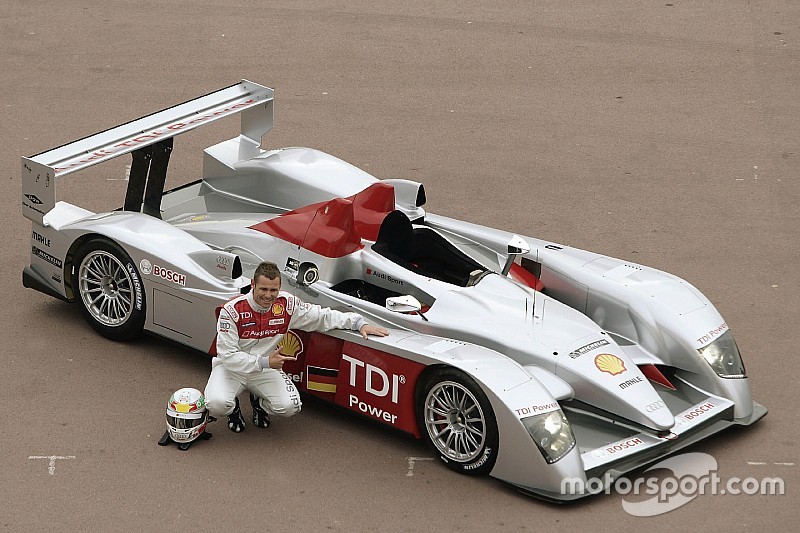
{"x":373,"y":383}
{"x":370,"y":207}
{"x":325,"y":228}
{"x":334,"y":228}
{"x":521,"y":274}
{"x":652,"y":373}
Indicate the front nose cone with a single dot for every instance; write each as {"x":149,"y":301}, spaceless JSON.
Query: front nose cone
{"x":656,"y":415}
{"x":611,"y":381}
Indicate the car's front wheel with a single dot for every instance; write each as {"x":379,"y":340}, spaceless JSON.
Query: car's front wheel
{"x":109,"y":289}
{"x":457,"y":420}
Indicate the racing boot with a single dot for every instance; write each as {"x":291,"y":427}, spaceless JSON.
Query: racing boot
{"x":260,"y":415}
{"x":235,"y":419}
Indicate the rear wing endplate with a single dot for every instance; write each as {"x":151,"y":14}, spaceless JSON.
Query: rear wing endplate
{"x":39,"y":172}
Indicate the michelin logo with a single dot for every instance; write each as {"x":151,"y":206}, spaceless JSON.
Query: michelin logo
{"x":47,"y":257}
{"x":588,"y":348}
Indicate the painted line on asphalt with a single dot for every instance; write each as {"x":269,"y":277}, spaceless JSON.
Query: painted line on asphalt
{"x":127,"y":175}
{"x":412,"y":461}
{"x":51,"y":467}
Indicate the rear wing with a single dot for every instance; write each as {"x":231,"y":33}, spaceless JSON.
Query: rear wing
{"x":149,"y":138}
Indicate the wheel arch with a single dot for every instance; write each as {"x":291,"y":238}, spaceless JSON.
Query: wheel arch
{"x":467,"y":438}
{"x":70,"y":259}
{"x":423,"y":379}
{"x":174,"y":249}
{"x":107,"y":286}
{"x":511,"y":390}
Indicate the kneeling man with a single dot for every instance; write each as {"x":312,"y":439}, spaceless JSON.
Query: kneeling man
{"x":249,"y":328}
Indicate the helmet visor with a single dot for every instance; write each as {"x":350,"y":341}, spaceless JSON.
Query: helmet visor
{"x":185,"y":420}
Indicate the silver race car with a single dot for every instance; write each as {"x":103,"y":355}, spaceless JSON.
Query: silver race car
{"x":533,"y":362}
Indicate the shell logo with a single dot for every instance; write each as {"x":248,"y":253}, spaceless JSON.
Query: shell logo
{"x":612,"y":364}
{"x":277,"y":309}
{"x":290,"y":345}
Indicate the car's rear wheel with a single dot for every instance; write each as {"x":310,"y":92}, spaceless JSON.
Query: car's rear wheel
{"x":457,"y":420}
{"x":109,"y":290}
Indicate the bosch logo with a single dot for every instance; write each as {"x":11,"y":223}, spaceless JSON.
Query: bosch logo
{"x":146,"y":267}
{"x":655,"y":406}
{"x":699,"y":410}
{"x":618,"y":447}
{"x":169,"y":275}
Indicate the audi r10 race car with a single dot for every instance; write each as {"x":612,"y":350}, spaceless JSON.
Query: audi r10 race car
{"x":511,"y":356}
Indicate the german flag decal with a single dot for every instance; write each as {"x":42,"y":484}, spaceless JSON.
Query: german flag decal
{"x":322,"y":379}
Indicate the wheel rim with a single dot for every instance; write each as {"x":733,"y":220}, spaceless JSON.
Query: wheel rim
{"x":455,"y":421}
{"x":106,"y":288}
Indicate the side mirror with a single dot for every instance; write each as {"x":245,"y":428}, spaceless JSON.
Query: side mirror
{"x":405,"y":304}
{"x":516,"y":246}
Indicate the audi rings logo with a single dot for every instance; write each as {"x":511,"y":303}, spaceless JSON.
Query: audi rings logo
{"x":655,"y":406}
{"x":223,"y":263}
{"x":145,"y":266}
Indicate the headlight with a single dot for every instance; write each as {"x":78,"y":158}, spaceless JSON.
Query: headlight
{"x":551,"y":433}
{"x":724,"y":358}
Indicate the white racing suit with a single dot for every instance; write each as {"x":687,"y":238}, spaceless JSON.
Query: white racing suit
{"x":247,"y":331}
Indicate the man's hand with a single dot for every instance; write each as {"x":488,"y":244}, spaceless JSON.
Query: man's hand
{"x":368,"y":329}
{"x":275,"y":360}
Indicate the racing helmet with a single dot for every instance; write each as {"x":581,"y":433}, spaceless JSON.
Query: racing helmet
{"x":186,"y":415}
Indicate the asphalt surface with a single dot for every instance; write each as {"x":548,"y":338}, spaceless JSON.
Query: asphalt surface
{"x":664,"y":133}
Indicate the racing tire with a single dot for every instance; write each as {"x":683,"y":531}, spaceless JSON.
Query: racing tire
{"x":109,"y":290}
{"x":457,"y":421}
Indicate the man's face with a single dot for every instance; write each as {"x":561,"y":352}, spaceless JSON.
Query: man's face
{"x":265,"y":290}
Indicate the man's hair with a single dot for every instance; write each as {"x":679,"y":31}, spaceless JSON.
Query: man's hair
{"x":267,"y":269}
